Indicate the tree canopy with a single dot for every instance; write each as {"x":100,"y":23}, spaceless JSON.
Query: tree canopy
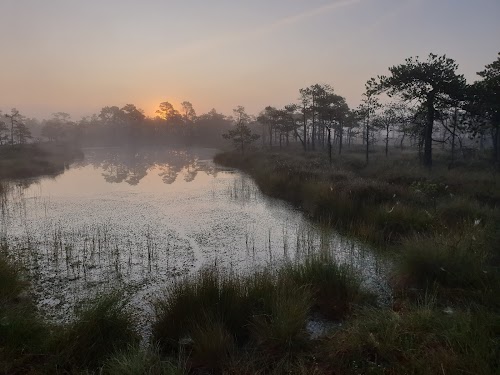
{"x":431,"y":82}
{"x":241,"y":135}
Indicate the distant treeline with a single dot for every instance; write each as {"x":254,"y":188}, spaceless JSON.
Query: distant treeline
{"x":427,"y":102}
{"x":114,"y":126}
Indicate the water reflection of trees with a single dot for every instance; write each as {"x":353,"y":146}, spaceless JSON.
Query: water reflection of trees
{"x":132,"y":166}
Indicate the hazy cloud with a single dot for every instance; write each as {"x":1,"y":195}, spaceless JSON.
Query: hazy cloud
{"x":216,"y":42}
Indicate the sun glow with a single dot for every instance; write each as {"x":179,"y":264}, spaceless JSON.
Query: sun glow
{"x":153,"y":105}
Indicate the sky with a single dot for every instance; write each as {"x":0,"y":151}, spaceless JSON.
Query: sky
{"x":77,"y":56}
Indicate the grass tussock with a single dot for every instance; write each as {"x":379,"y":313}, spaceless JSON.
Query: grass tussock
{"x":211,"y":297}
{"x":336,"y":288}
{"x":215,"y":314}
{"x":22,"y":333}
{"x":100,"y":329}
{"x":281,"y":330}
{"x":10,"y":282}
{"x":29,"y":344}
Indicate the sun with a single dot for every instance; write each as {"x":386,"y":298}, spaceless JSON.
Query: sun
{"x":152,"y":106}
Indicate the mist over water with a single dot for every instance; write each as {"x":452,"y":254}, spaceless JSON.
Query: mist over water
{"x":137,"y":219}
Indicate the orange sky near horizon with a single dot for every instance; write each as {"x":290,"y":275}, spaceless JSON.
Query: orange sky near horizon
{"x":77,"y":57}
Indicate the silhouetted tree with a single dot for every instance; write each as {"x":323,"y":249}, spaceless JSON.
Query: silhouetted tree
{"x":241,"y":135}
{"x":14,"y":118}
{"x":431,"y":82}
{"x":4,"y":130}
{"x":333,"y":111}
{"x":485,"y":103}
{"x":188,"y":112}
{"x":387,"y":120}
{"x":310,"y":98}
{"x":57,"y":127}
{"x":366,"y":110}
{"x":210,"y":126}
{"x":291,"y":121}
{"x":22,"y":133}
{"x":132,"y":113}
{"x":269,"y":118}
{"x":167,"y":111}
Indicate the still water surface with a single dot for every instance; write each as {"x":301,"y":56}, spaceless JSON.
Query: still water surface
{"x":137,"y":219}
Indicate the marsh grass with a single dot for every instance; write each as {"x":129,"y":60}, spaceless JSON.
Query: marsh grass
{"x":10,"y":283}
{"x":218,"y":322}
{"x":102,"y":328}
{"x":213,"y":314}
{"x":211,"y":296}
{"x":420,"y":340}
{"x":281,"y":331}
{"x":337,"y":196}
{"x":139,"y":361}
{"x":462,"y":211}
{"x":22,"y":333}
{"x":335,"y":288}
{"x":383,"y":202}
{"x":213,"y":346}
{"x":29,"y":344}
{"x":267,"y":337}
{"x":453,"y":261}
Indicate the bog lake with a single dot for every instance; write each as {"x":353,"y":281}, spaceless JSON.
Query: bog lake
{"x":135,"y":220}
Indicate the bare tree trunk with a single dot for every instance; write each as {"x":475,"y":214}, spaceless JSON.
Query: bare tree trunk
{"x":330,"y":145}
{"x":496,"y":144}
{"x":367,"y":141}
{"x":305,"y":129}
{"x":263,"y":135}
{"x":341,"y":135}
{"x":313,"y":136}
{"x":420,"y":146}
{"x":303,"y":141}
{"x":453,"y":134}
{"x":461,"y":148}
{"x":386,"y":140}
{"x":428,"y":130}
{"x":11,"y":129}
